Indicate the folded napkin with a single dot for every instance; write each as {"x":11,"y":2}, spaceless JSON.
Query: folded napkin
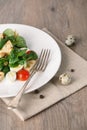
{"x":53,"y":91}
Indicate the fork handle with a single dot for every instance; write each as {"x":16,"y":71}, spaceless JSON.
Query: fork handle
{"x":14,"y":103}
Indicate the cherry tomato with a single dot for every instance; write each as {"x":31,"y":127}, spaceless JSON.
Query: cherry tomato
{"x":23,"y":75}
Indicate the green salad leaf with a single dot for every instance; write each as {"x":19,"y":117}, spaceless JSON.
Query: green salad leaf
{"x":17,"y":41}
{"x":8,"y":32}
{"x":16,"y":57}
{"x":4,"y":66}
{"x":6,"y":69}
{"x":20,"y":42}
{"x":19,"y":57}
{"x":2,"y":42}
{"x":1,"y":65}
{"x":31,"y":56}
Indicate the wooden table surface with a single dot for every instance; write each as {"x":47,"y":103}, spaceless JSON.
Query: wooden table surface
{"x":61,"y":17}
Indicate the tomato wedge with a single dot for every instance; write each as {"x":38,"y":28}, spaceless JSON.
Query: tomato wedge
{"x":23,"y":75}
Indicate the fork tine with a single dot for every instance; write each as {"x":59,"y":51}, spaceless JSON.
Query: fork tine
{"x":46,"y":59}
{"x":43,"y":60}
{"x":36,"y":64}
{"x":40,"y":60}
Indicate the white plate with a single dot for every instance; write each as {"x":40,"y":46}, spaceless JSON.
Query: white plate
{"x":36,"y":40}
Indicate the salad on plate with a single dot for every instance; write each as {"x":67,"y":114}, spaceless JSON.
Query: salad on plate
{"x":16,"y":59}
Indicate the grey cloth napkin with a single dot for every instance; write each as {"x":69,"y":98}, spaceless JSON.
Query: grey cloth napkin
{"x":53,"y":91}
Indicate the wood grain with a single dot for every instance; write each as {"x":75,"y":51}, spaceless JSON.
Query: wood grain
{"x":61,"y":17}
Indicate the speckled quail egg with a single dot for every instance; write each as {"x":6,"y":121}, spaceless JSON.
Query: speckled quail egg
{"x":65,"y":78}
{"x":11,"y":76}
{"x":70,"y":40}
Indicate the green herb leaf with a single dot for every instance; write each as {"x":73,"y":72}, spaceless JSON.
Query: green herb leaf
{"x":21,"y":52}
{"x":16,"y":57}
{"x":8,"y":32}
{"x":31,"y":56}
{"x":13,"y":58}
{"x":6,"y":69}
{"x":2,"y":42}
{"x":14,"y":65}
{"x":3,"y":66}
{"x":20,"y":42}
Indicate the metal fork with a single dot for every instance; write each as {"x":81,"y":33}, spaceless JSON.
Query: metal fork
{"x":40,"y":65}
